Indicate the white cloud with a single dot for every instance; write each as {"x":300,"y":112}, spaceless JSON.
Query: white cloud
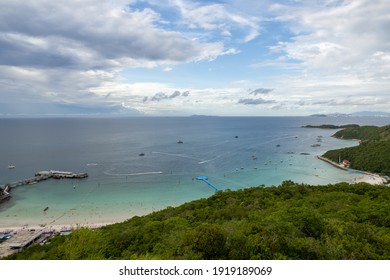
{"x":65,"y":35}
{"x":330,"y":54}
{"x":68,"y":52}
{"x":167,"y":69}
{"x":344,"y":37}
{"x":339,"y":52}
{"x":218,"y":17}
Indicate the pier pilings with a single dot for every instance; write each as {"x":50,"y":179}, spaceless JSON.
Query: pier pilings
{"x":44,"y":175}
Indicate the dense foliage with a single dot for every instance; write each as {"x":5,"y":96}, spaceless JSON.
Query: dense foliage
{"x":365,"y":133}
{"x":292,"y":221}
{"x":372,"y":154}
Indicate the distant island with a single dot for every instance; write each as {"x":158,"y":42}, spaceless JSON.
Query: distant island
{"x":330,"y":126}
{"x":355,"y":114}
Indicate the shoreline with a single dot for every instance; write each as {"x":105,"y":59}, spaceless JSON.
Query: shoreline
{"x":71,"y":222}
{"x":21,"y":237}
{"x":366,"y":177}
{"x":52,"y":228}
{"x":65,"y":226}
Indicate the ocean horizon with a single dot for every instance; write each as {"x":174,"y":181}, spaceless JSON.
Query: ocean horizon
{"x":139,"y":165}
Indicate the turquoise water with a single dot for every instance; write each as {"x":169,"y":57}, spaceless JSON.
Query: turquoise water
{"x":137,"y":166}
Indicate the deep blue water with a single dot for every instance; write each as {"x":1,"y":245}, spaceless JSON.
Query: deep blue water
{"x":234,"y":152}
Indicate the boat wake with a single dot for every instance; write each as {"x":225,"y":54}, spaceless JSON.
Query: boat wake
{"x":109,"y":172}
{"x":208,"y":160}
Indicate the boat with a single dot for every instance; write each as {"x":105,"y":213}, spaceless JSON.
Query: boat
{"x":65,"y":230}
{"x":180,"y":142}
{"x":46,"y":208}
{"x":315,"y":145}
{"x":141,"y":154}
{"x":11,"y":166}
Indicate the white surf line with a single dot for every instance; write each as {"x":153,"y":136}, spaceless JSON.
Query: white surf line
{"x":208,"y":160}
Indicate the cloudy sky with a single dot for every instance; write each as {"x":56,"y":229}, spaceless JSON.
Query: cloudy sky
{"x":182,"y":57}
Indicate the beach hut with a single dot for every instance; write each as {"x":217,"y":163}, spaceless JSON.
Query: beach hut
{"x":346,"y":163}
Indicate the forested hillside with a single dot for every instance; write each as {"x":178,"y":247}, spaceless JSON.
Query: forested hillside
{"x":368,"y":156}
{"x":373,"y":154}
{"x":292,"y":221}
{"x":365,"y":133}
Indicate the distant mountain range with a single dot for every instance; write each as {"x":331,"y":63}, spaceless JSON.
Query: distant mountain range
{"x":356,"y":114}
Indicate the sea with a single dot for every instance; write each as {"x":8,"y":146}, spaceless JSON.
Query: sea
{"x":139,"y":165}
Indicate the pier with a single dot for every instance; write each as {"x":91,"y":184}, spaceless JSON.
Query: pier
{"x":4,"y":193}
{"x":206,"y":180}
{"x":44,"y":175}
{"x":335,"y":164}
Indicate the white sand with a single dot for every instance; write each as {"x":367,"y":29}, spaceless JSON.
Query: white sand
{"x":55,"y":227}
{"x":372,"y":179}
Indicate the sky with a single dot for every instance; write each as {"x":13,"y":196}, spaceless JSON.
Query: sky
{"x":181,"y":58}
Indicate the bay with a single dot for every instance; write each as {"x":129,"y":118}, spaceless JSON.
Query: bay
{"x":140,"y":165}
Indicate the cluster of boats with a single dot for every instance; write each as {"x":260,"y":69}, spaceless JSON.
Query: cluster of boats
{"x":319,"y":139}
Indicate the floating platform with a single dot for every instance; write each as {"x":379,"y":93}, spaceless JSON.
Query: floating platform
{"x":206,"y":180}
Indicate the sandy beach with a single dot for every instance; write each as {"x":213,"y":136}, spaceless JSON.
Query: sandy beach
{"x":69,"y":221}
{"x":364,"y":177}
{"x":373,"y":179}
{"x":54,"y":228}
{"x":35,"y":234}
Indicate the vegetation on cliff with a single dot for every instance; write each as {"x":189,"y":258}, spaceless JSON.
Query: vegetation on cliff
{"x":292,"y":221}
{"x":365,"y":133}
{"x":371,"y":155}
